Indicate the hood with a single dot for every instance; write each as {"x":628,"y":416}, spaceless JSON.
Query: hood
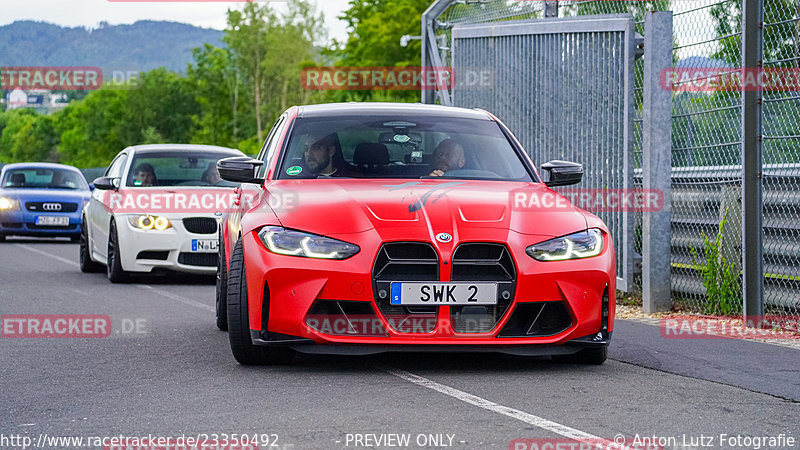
{"x":45,"y":195}
{"x":425,"y":207}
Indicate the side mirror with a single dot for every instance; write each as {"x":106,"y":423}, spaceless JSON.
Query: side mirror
{"x":562,"y":173}
{"x":239,"y":169}
{"x":106,"y":183}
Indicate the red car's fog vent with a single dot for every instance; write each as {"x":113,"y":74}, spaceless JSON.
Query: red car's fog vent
{"x":344,"y":318}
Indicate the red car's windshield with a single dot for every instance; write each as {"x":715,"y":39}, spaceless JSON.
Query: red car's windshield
{"x":392,"y":146}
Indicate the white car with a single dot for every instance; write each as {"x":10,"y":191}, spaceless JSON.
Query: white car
{"x":156,"y":207}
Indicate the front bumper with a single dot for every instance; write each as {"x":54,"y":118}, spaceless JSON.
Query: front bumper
{"x":172,"y":249}
{"x":292,"y":289}
{"x":23,"y":223}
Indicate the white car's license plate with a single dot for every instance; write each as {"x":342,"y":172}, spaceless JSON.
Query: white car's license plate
{"x":52,"y":221}
{"x":444,"y":293}
{"x":204,"y":245}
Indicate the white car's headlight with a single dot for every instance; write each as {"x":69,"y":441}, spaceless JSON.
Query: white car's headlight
{"x":8,"y":204}
{"x":297,"y":243}
{"x":584,"y":244}
{"x":145,"y":222}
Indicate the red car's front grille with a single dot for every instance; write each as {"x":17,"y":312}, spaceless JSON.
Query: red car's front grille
{"x":483,"y":262}
{"x":405,"y":261}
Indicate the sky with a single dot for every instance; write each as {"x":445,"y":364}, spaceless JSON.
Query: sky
{"x":89,"y":13}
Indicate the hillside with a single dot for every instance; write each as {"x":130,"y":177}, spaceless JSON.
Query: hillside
{"x":142,"y":46}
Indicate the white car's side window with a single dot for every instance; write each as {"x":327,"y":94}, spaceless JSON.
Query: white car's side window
{"x":115,"y":169}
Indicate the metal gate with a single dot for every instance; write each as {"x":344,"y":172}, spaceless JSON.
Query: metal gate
{"x":565,"y":87}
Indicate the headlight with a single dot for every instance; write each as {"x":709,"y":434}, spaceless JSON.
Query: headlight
{"x":146,"y":222}
{"x":584,"y":244}
{"x":296,"y":243}
{"x":8,"y":204}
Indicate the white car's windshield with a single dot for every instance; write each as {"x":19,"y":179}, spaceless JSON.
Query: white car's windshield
{"x":176,"y":168}
{"x":401,"y":146}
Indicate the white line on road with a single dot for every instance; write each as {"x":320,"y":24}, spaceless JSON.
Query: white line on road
{"x":177,"y":298}
{"x":530,"y":419}
{"x":166,"y":294}
{"x":36,"y":250}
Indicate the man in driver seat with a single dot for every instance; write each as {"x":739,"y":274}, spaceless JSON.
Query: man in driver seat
{"x":449,"y":155}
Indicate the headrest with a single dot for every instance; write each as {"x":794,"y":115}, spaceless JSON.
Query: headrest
{"x":371,"y":154}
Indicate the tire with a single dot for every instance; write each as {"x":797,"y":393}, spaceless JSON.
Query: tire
{"x":238,"y":324}
{"x":222,"y":287}
{"x":114,"y":264}
{"x":84,"y":257}
{"x":2,"y":237}
{"x":590,"y":356}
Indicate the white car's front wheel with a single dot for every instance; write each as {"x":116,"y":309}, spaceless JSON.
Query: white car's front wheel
{"x":114,"y":260}
{"x":84,"y":256}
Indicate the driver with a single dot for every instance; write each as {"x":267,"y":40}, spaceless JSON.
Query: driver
{"x":211,"y":175}
{"x":144,"y":175}
{"x":324,"y":157}
{"x":449,"y":155}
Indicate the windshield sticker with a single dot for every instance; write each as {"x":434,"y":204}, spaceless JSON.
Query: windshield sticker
{"x":294,"y":170}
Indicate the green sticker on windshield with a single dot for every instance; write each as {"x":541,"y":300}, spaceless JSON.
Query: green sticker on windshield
{"x":137,"y":182}
{"x":401,"y":138}
{"x":294,"y":170}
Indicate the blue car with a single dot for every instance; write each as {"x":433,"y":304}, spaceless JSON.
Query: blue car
{"x":42,"y":199}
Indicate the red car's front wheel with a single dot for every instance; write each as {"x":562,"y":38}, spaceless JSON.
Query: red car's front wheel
{"x":238,"y":322}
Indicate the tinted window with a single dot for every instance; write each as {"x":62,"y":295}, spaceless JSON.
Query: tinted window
{"x":400,"y":146}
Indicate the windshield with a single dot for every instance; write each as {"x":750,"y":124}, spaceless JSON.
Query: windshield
{"x":176,"y":168}
{"x":392,"y":146}
{"x":44,"y":178}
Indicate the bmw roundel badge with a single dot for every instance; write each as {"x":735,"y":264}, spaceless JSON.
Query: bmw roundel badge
{"x":444,"y":238}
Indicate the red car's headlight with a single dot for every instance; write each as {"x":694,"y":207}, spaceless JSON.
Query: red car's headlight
{"x":584,"y":244}
{"x":297,"y":243}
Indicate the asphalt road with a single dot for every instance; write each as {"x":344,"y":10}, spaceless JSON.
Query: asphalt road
{"x":174,"y":376}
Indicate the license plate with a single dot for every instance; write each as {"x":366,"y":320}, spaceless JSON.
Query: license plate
{"x":52,"y":221}
{"x":444,"y":293}
{"x":204,"y":245}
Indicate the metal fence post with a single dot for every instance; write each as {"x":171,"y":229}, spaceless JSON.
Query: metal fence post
{"x":657,"y":162}
{"x":430,"y":48}
{"x":752,"y":201}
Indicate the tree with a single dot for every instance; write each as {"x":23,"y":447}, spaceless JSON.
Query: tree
{"x":246,"y":36}
{"x":375,"y":28}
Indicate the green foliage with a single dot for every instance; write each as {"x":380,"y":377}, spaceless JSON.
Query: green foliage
{"x":720,"y":278}
{"x":376,"y":27}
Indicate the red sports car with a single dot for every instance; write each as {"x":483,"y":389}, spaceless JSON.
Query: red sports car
{"x":365,"y":228}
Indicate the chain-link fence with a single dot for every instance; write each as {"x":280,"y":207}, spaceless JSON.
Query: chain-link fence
{"x":706,"y":142}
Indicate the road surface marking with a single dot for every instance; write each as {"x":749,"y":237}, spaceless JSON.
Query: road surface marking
{"x":177,"y":298}
{"x":528,"y":418}
{"x":36,"y":250}
{"x":166,"y":294}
